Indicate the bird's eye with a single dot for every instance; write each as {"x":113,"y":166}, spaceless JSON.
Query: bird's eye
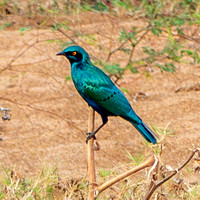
{"x":74,"y":53}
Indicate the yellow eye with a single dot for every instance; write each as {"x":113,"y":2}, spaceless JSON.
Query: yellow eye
{"x":74,"y":53}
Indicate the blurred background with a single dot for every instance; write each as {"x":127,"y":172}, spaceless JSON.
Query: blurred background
{"x":149,"y":48}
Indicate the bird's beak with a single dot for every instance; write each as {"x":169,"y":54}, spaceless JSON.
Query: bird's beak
{"x":60,"y":54}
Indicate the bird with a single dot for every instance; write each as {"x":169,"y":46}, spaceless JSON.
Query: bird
{"x":100,"y":92}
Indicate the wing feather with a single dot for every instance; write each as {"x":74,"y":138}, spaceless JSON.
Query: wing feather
{"x":109,"y":98}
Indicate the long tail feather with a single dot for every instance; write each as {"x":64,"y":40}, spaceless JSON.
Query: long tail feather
{"x":146,"y":132}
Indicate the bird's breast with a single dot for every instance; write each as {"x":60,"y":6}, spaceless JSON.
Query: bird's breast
{"x":77,"y":77}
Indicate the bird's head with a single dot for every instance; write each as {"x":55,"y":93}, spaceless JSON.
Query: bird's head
{"x":75,"y":54}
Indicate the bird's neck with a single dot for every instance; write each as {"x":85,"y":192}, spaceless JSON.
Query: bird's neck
{"x":80,"y":65}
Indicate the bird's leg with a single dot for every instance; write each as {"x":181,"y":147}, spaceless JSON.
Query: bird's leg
{"x":92,"y":135}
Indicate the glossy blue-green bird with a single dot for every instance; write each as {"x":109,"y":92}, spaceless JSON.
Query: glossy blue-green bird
{"x":98,"y":90}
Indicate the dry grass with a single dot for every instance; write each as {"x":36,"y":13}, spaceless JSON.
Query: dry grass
{"x":48,"y":185}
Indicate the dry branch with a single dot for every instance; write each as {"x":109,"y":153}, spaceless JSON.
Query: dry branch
{"x":136,"y":43}
{"x":118,"y":178}
{"x":193,"y":87}
{"x":66,"y":35}
{"x":19,"y":54}
{"x":155,"y":184}
{"x":45,"y":111}
{"x":120,"y":47}
{"x":91,"y":161}
{"x":116,"y":49}
{"x":23,"y":50}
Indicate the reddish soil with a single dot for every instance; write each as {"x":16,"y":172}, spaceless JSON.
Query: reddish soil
{"x":49,"y":118}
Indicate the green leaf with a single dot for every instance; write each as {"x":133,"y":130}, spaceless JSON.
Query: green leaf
{"x":43,"y":22}
{"x":51,"y":41}
{"x":122,"y":36}
{"x":126,"y":50}
{"x":67,"y":78}
{"x":63,"y":25}
{"x":171,"y":38}
{"x":150,"y":51}
{"x":156,"y":31}
{"x":125,"y":90}
{"x":180,"y":22}
{"x":24,"y":29}
{"x":113,"y":70}
{"x":7,"y":24}
{"x":21,"y":29}
{"x":132,"y":68}
{"x":188,"y":1}
{"x":168,"y":67}
{"x":91,"y":36}
{"x":98,"y":6}
{"x":49,"y":189}
{"x":53,"y":11}
{"x":180,"y":31}
{"x":192,"y":54}
{"x":188,"y":52}
{"x":103,"y":173}
{"x":137,"y":158}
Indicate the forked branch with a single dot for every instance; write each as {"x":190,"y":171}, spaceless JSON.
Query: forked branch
{"x":155,"y":184}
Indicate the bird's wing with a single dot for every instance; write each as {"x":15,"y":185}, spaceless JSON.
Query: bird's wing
{"x":107,"y":96}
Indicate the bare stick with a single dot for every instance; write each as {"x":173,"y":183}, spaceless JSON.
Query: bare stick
{"x":60,"y":30}
{"x":157,"y":184}
{"x":116,"y":49}
{"x":91,"y":164}
{"x":42,"y":110}
{"x":118,"y":178}
{"x":17,"y":56}
{"x":135,"y":44}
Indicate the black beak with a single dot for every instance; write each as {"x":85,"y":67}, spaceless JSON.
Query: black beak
{"x":60,"y":54}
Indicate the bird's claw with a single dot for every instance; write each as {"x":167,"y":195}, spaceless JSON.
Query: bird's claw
{"x":91,"y":135}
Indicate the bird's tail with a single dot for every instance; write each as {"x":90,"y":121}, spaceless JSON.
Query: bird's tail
{"x":145,"y":131}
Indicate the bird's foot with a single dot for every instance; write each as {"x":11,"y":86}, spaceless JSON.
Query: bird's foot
{"x":91,"y":135}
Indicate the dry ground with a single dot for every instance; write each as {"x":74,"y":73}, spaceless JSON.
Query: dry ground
{"x":49,"y":118}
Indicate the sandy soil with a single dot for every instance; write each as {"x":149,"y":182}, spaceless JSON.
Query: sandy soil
{"x":49,"y":118}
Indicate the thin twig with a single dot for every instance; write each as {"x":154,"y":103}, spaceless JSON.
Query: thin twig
{"x":45,"y":111}
{"x":60,"y":30}
{"x":116,"y":49}
{"x":23,"y":50}
{"x":132,"y":43}
{"x":136,"y":43}
{"x":197,"y":40}
{"x":19,"y":54}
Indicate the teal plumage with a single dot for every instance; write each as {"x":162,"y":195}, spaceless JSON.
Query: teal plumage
{"x":101,"y":93}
